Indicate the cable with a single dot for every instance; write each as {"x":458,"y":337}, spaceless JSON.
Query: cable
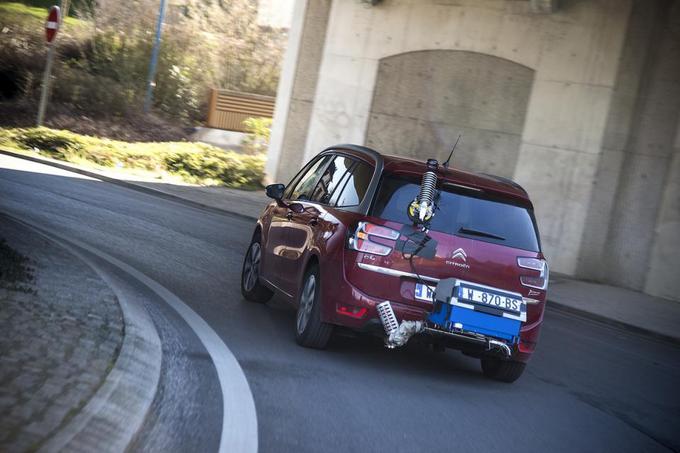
{"x":419,"y":246}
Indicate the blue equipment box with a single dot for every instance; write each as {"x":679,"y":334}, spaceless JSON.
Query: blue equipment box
{"x":452,"y":313}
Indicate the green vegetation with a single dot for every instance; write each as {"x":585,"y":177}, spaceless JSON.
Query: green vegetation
{"x":196,"y":163}
{"x":103,"y":56}
{"x":31,"y":15}
{"x":76,"y":5}
{"x":259,"y":131}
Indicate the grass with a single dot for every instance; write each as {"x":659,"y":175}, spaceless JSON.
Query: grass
{"x":192,"y":162}
{"x":29,"y":15}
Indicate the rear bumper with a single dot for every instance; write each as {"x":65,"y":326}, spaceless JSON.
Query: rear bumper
{"x":353,"y":300}
{"x":350,"y":296}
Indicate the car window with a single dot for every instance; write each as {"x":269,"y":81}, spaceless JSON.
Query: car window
{"x":303,"y":188}
{"x":511,"y":225}
{"x":333,"y":177}
{"x":354,"y":188}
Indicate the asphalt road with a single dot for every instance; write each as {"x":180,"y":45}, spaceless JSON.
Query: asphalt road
{"x":589,"y":387}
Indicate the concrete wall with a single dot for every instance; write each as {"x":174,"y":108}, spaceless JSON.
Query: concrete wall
{"x":664,"y":260}
{"x":662,"y":278}
{"x":423,"y":100}
{"x":297,"y":87}
{"x":593,"y":255}
{"x":647,"y":158}
{"x":592,"y":133}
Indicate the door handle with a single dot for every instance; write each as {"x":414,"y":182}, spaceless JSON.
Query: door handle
{"x":314,"y":221}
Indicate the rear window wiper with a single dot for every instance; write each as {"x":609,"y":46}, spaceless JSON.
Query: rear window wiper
{"x":472,"y":232}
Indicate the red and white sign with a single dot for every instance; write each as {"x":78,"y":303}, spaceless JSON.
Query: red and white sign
{"x":52,"y":24}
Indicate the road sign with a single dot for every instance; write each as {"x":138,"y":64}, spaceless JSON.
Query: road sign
{"x":52,"y":24}
{"x":51,"y":27}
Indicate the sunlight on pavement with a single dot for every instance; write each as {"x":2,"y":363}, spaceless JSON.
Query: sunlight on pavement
{"x":10,"y":163}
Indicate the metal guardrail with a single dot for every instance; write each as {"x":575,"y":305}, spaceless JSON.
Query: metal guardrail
{"x":228,"y":109}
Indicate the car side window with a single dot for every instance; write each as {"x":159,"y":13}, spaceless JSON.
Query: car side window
{"x":333,"y":177}
{"x":354,"y":188}
{"x":303,"y":188}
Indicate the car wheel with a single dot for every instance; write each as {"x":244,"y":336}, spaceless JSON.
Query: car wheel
{"x":310,"y":331}
{"x":251,"y":287}
{"x":502,"y":370}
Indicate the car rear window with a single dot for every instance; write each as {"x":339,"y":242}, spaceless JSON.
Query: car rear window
{"x":460,"y":212}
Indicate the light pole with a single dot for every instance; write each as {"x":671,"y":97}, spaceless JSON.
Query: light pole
{"x":150,"y":83}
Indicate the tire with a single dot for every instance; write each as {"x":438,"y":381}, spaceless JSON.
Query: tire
{"x":310,"y":331}
{"x":502,"y":370}
{"x":252,"y":289}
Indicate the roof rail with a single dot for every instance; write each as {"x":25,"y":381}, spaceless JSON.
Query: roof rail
{"x":358,"y":148}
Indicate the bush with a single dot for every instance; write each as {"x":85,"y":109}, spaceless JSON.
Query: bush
{"x":53,"y":145}
{"x":228,"y":168}
{"x":194,"y":162}
{"x":259,"y":131}
{"x":103,"y":55}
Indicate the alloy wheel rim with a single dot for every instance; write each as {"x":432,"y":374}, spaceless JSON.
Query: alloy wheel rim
{"x":306,"y":303}
{"x":252,"y":267}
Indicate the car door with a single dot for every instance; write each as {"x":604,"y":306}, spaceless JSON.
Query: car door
{"x":271,"y":254}
{"x":336,"y":186}
{"x":276,"y":251}
{"x":283,"y":250}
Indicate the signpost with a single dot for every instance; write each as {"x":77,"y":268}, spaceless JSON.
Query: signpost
{"x":151,"y":83}
{"x":51,"y":28}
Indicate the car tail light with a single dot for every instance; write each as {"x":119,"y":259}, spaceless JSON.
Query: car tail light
{"x":539,"y":281}
{"x":377,"y":230}
{"x":352,"y":312}
{"x":361,"y":239}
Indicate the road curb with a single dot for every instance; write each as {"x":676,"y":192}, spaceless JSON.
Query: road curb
{"x":239,"y":431}
{"x":126,"y":184}
{"x":114,"y":414}
{"x":557,"y":306}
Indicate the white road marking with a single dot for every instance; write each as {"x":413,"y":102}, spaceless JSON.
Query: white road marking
{"x":239,"y":419}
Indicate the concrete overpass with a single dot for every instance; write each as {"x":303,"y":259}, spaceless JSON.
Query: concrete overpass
{"x":577,"y":100}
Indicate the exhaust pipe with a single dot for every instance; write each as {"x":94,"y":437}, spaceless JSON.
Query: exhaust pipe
{"x":396,"y":334}
{"x":499,"y":345}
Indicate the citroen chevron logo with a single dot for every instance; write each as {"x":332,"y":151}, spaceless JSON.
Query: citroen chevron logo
{"x":459,"y":254}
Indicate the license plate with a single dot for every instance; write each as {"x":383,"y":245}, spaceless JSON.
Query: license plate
{"x":424,"y":292}
{"x":492,"y":298}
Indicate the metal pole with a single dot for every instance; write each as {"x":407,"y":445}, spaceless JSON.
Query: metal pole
{"x":45,"y":93}
{"x":63,"y":6}
{"x":46,"y":84}
{"x":150,"y":83}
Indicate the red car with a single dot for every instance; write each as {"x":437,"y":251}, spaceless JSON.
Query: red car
{"x":403,"y":248}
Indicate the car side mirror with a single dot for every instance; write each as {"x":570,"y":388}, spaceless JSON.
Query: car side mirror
{"x":275,"y":191}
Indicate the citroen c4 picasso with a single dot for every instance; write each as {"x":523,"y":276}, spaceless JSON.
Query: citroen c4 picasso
{"x":368,"y":242}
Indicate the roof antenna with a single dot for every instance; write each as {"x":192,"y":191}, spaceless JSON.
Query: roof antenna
{"x":446,"y":164}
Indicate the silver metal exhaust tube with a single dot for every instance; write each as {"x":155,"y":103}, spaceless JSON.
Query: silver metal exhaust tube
{"x":499,"y":345}
{"x":396,"y":334}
